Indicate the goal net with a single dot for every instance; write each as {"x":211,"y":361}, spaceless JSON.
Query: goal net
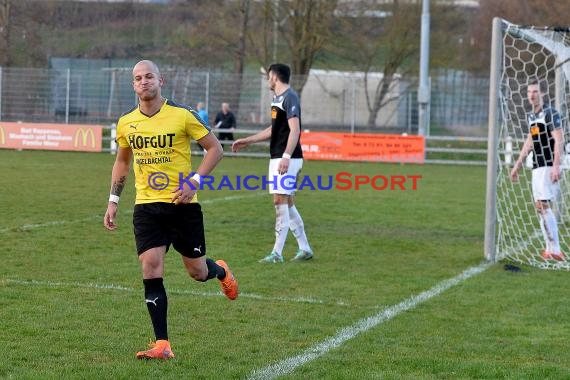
{"x":513,"y":228}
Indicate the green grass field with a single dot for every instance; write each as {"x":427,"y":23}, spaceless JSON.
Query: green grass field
{"x":381,"y":300}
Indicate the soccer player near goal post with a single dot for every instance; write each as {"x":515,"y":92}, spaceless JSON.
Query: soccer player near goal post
{"x":157,"y":133}
{"x":286,"y":162}
{"x":545,"y":142}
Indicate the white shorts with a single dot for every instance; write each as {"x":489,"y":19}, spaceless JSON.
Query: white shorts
{"x":285,"y":184}
{"x":543,"y":189}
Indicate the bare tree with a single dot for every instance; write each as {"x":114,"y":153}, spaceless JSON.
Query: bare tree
{"x":240,"y":51}
{"x":304,"y":25}
{"x":537,"y":12}
{"x":401,"y":45}
{"x":386,"y":42}
{"x":20,"y":34}
{"x":260,"y":35}
{"x":5,"y":31}
{"x":240,"y":54}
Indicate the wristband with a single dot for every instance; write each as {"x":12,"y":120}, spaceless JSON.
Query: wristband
{"x":114,"y":198}
{"x":196,"y":177}
{"x":286,"y":155}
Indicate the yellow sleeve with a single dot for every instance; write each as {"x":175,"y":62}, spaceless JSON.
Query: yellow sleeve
{"x":121,"y":138}
{"x":194,"y":128}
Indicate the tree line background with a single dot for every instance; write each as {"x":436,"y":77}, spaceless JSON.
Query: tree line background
{"x":238,"y":35}
{"x":242,"y":36}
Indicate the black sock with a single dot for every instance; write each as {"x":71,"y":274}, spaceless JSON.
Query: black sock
{"x":214,"y":270}
{"x":157,"y":305}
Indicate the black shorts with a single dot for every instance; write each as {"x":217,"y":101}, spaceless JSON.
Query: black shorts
{"x":226,"y":136}
{"x":158,"y":224}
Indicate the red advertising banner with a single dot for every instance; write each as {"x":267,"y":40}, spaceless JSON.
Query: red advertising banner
{"x":87,"y":138}
{"x":363,"y":147}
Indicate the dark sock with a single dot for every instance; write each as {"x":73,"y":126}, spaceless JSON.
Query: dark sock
{"x":157,"y":305}
{"x":214,"y":270}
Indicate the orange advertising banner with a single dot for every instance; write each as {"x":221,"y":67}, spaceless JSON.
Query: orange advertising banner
{"x":363,"y":147}
{"x":77,"y":137}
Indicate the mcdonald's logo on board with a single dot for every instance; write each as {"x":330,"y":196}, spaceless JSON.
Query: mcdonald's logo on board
{"x":2,"y":136}
{"x":82,"y":135}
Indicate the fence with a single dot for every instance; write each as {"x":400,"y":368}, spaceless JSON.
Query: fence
{"x":336,"y":101}
{"x":331,"y":101}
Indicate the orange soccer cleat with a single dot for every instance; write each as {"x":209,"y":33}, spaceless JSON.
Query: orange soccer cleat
{"x":158,"y":350}
{"x":229,"y":283}
{"x":558,"y":256}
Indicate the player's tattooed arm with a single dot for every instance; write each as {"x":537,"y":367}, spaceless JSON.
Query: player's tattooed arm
{"x":118,"y":186}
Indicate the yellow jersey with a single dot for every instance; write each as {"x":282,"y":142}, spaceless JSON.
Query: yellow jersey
{"x":161,"y":148}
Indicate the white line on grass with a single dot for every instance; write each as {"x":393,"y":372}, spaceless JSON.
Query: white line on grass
{"x":288,"y":365}
{"x":26,"y":227}
{"x":89,"y":285}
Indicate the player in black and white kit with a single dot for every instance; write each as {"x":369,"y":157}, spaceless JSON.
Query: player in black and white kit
{"x":545,"y":141}
{"x":285,"y":164}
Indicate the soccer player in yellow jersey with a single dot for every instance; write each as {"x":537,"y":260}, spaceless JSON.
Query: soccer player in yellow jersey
{"x":155,"y":135}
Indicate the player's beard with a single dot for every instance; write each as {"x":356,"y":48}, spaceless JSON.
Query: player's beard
{"x":271,"y":85}
{"x":148,"y":95}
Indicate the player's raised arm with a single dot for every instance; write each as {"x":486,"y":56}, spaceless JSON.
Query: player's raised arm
{"x":258,"y":137}
{"x":119,"y":175}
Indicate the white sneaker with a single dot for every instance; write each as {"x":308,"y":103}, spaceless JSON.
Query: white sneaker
{"x":302,"y":255}
{"x":272,"y":258}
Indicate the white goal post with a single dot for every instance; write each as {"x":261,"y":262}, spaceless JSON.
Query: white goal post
{"x":512,"y":225}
